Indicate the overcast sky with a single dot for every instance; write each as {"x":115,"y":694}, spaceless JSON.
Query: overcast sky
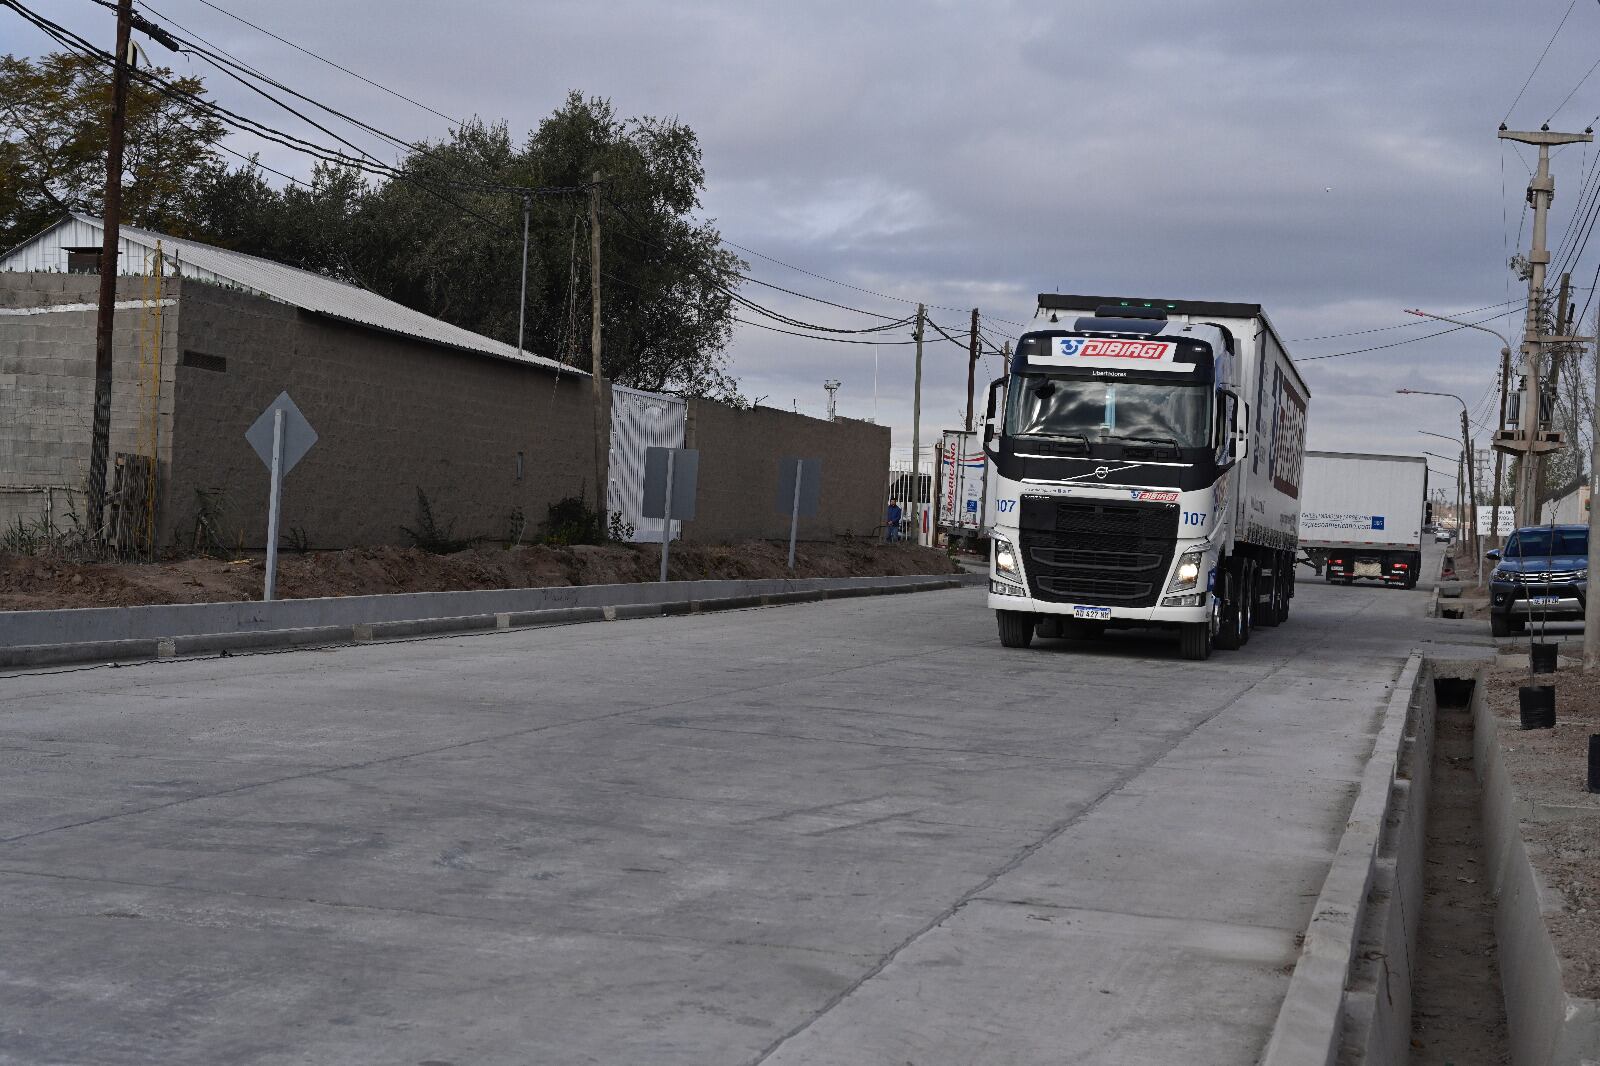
{"x":1335,"y":163}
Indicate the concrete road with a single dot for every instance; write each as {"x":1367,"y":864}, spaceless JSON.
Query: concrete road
{"x":854,"y":832}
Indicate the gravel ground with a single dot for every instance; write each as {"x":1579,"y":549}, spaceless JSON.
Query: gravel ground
{"x":42,"y":582}
{"x":1549,"y":769}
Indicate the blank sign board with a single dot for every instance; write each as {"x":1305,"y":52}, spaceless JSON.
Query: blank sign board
{"x":298,"y":436}
{"x":685,"y":473}
{"x":810,"y":471}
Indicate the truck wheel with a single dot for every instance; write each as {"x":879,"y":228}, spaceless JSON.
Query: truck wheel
{"x":1194,"y":640}
{"x":1228,"y":633}
{"x":1499,"y":625}
{"x":1016,"y":628}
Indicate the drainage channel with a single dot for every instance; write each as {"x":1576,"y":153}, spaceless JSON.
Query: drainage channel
{"x":1457,"y":1010}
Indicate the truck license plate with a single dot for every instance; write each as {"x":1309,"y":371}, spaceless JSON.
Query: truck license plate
{"x":1369,"y":570}
{"x":1101,"y":614}
{"x":1543,"y":600}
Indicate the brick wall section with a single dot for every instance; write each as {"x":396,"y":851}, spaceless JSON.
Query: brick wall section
{"x":47,"y":390}
{"x":739,"y":454}
{"x":392,"y":415}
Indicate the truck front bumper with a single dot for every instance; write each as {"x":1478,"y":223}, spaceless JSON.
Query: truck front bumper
{"x":1004,"y":596}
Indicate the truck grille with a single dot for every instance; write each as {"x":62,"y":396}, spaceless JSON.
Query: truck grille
{"x":1097,"y":551}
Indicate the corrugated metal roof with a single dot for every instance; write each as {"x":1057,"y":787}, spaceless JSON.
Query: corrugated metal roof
{"x":309,"y":291}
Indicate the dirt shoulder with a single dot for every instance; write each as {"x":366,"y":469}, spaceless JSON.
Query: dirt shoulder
{"x":1560,"y":819}
{"x":31,"y":583}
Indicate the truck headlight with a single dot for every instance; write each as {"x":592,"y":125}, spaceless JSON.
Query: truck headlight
{"x":1005,"y":559}
{"x":1190,"y":566}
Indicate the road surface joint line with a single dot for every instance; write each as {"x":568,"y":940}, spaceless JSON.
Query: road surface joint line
{"x":1027,"y":851}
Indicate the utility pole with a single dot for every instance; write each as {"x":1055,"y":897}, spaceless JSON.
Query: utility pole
{"x":522,"y":301}
{"x":600,"y":435}
{"x":1499,"y":454}
{"x":111,"y":219}
{"x":1591,"y":604}
{"x":1541,"y":190}
{"x":972,"y":367}
{"x":916,"y":430}
{"x":1472,"y":493}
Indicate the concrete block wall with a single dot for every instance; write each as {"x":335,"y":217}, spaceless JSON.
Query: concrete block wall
{"x":47,"y":389}
{"x":739,"y":454}
{"x":392,"y":414}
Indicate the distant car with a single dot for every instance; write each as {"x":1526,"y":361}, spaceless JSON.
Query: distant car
{"x":1444,"y":536}
{"x":1542,"y":573}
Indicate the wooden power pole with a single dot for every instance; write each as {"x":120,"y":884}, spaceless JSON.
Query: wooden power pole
{"x":972,"y":367}
{"x":111,"y":216}
{"x":601,"y":457}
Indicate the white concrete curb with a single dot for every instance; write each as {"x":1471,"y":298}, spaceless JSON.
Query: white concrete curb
{"x":49,"y":638}
{"x":1547,"y":1026}
{"x":1311,"y":1020}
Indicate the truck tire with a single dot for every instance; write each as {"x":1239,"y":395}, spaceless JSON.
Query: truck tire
{"x":1016,"y":628}
{"x":1194,"y":640}
{"x":1228,"y":636}
{"x":1499,"y":625}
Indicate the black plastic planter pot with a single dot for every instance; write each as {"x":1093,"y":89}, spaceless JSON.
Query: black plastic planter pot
{"x":1538,"y":706}
{"x":1544,"y":657}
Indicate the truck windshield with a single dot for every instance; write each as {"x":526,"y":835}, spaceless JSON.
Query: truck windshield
{"x":1041,"y":405}
{"x":1547,"y":542}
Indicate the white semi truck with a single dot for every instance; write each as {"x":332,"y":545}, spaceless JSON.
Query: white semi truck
{"x":1145,"y":470}
{"x":1363,"y":516}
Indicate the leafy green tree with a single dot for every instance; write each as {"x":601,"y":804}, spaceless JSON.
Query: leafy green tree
{"x":444,"y":237}
{"x":53,"y":127}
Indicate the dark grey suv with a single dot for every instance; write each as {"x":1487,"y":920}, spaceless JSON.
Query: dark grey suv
{"x":1542,"y":573}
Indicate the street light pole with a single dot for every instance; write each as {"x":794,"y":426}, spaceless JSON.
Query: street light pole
{"x":1505,"y":378}
{"x":1469,"y":482}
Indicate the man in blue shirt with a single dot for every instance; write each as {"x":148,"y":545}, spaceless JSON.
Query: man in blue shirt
{"x":892,"y":531}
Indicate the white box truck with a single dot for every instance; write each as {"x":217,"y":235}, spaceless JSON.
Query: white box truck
{"x":1363,"y":516}
{"x":1145,"y":469}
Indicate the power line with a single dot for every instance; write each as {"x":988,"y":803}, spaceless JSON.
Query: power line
{"x":1531,"y":73}
{"x":808,"y":336}
{"x":1398,"y":325}
{"x":329,"y":62}
{"x":1408,"y":340}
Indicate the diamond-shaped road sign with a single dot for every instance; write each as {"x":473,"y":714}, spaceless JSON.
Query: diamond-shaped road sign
{"x":298,"y":436}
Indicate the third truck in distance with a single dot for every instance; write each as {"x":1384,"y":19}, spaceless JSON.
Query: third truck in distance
{"x":1363,"y":516}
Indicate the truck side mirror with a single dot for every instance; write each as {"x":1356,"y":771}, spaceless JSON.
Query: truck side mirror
{"x":1493,"y":555}
{"x":991,"y":408}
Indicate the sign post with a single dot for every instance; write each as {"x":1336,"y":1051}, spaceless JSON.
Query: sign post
{"x":281,"y":437}
{"x":799,"y":491}
{"x":670,"y":479}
